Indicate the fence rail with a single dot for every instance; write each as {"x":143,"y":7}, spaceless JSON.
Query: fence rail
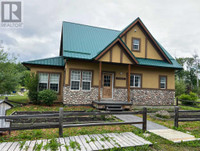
{"x":61,"y":115}
{"x":185,"y":118}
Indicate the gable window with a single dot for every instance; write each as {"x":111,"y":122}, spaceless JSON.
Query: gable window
{"x":163,"y":82}
{"x":81,"y":80}
{"x":135,"y":80}
{"x":49,"y":81}
{"x":136,"y":44}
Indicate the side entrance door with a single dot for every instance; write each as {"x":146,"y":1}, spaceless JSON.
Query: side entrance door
{"x":107,"y":85}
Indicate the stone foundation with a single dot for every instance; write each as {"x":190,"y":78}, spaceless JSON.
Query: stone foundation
{"x":138,"y":96}
{"x":152,"y":97}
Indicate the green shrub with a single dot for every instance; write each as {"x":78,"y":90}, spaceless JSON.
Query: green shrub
{"x":47,"y":97}
{"x":188,"y":99}
{"x":31,"y":83}
{"x":180,"y":87}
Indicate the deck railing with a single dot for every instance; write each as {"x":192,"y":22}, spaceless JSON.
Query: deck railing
{"x":61,"y":115}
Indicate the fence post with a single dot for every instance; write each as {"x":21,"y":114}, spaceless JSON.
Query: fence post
{"x":61,"y":122}
{"x":144,"y":126}
{"x":177,"y":101}
{"x":176,"y":114}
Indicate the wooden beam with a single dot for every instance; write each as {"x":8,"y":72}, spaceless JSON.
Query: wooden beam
{"x":128,"y":86}
{"x":100,"y":69}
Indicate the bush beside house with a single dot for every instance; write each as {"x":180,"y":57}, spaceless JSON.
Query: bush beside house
{"x":47,"y":97}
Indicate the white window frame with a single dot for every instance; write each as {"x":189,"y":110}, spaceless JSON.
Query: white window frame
{"x":86,"y":81}
{"x":42,"y":82}
{"x":165,"y":83}
{"x":139,"y":82}
{"x":74,"y":80}
{"x":54,"y":82}
{"x":48,"y":82}
{"x":136,"y":44}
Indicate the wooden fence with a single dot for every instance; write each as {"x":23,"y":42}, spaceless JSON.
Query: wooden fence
{"x":185,"y":116}
{"x":61,"y":115}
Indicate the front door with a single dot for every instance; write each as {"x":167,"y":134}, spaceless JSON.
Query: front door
{"x":107,"y":85}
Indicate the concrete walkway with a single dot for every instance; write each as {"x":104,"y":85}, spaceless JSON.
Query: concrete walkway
{"x":162,"y":131}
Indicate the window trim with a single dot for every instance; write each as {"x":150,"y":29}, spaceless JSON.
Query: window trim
{"x":48,"y":85}
{"x":86,"y":81}
{"x":139,"y":74}
{"x":76,"y":80}
{"x":159,"y":84}
{"x":80,"y":85}
{"x":134,"y":38}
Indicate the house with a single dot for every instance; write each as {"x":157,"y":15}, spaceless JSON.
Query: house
{"x":96,"y":65}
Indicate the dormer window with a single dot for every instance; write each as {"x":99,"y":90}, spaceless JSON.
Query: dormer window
{"x":135,"y":44}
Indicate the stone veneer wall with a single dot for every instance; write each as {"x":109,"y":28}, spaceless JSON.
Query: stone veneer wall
{"x":138,"y":96}
{"x":152,"y":97}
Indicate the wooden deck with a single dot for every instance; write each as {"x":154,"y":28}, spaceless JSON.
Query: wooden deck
{"x":86,"y":142}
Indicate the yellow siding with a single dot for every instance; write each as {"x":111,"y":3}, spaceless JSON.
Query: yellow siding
{"x":150,"y":76}
{"x":125,"y":59}
{"x":116,"y":53}
{"x":53,"y":70}
{"x":152,"y":53}
{"x":106,"y":57}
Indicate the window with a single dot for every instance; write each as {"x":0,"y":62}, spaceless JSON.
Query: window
{"x":81,"y":79}
{"x":86,"y":80}
{"x":49,"y":81}
{"x":163,"y":82}
{"x":75,"y":79}
{"x":135,"y":80}
{"x":136,"y":44}
{"x":43,"y":81}
{"x":54,"y":82}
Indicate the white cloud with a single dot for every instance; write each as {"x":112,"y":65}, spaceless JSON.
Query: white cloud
{"x":175,"y":24}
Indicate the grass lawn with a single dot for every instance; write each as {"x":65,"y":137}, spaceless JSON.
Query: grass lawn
{"x":17,"y":98}
{"x":158,"y":142}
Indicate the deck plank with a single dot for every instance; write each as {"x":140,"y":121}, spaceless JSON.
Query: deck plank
{"x":78,"y":140}
{"x":96,"y":142}
{"x":134,"y":139}
{"x":67,"y":142}
{"x":7,"y":146}
{"x":31,"y":146}
{"x":112,"y":140}
{"x":108,"y":143}
{"x":2,"y":145}
{"x":119,"y":141}
{"x":13,"y":146}
{"x":26,"y":145}
{"x":62,"y":142}
{"x":87,"y":146}
{"x":93,"y":146}
{"x":44,"y":143}
{"x":103,"y":144}
{"x":139,"y":138}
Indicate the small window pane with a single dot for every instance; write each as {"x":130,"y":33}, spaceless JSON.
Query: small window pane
{"x":107,"y":80}
{"x":136,"y":44}
{"x":75,"y":85}
{"x":86,"y":86}
{"x":54,"y":87}
{"x":42,"y":86}
{"x":86,"y":76}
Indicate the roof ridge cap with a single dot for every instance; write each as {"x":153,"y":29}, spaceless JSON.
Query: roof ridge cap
{"x":44,"y":59}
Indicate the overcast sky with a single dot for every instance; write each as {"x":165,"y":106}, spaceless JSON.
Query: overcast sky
{"x":174,"y":23}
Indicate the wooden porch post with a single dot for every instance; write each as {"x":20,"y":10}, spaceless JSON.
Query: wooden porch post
{"x":99,"y":92}
{"x":128,"y":86}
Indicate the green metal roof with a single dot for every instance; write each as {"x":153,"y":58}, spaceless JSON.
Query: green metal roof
{"x":86,"y":42}
{"x":159,"y":63}
{"x":55,"y":61}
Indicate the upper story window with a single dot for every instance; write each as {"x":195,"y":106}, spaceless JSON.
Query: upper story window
{"x":135,"y":44}
{"x":81,"y":80}
{"x":135,"y":80}
{"x":163,"y":82}
{"x":49,"y":81}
